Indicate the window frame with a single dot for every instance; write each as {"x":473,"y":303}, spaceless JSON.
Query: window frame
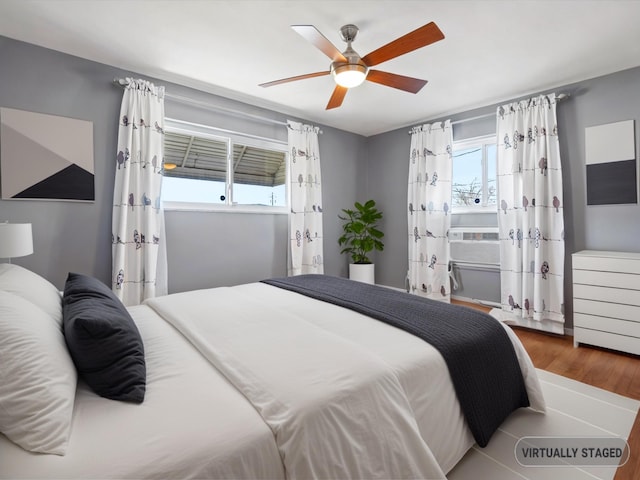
{"x":231,"y":138}
{"x":483,"y":142}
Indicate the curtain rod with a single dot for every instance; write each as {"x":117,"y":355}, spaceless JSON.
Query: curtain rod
{"x":559,"y":97}
{"x":121,"y":82}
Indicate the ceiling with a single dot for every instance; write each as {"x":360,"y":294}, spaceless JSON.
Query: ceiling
{"x":493,"y":51}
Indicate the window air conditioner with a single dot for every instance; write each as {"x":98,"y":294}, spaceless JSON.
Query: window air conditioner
{"x":475,"y":247}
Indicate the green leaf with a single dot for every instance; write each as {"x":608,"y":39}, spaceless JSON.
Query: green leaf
{"x":374,"y":232}
{"x":357,"y":227}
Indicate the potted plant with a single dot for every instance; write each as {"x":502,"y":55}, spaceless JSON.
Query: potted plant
{"x":360,"y":236}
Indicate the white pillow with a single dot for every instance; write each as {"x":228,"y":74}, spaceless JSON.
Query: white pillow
{"x":37,"y":378}
{"x":32,"y":287}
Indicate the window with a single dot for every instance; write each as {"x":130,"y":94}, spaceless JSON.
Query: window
{"x":473,"y":188}
{"x":213,"y":169}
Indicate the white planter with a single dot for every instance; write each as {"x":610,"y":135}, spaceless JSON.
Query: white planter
{"x":362,"y":272}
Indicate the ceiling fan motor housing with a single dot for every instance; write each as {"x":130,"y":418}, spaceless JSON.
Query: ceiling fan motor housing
{"x":354,"y":63}
{"x":349,"y":32}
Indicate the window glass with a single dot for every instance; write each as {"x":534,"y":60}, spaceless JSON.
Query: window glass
{"x":195,"y":168}
{"x":204,"y":167}
{"x":492,"y":170}
{"x":466,"y":188}
{"x":474,"y":175}
{"x":259,"y":176}
{"x":176,"y":189}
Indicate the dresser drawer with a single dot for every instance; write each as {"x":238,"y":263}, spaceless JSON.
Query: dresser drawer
{"x":605,"y":309}
{"x":609,"y":279}
{"x":608,"y":340}
{"x":605,"y":294}
{"x":607,"y":263}
{"x":604,"y":324}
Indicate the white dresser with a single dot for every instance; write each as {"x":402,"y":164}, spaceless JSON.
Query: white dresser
{"x":606,"y":299}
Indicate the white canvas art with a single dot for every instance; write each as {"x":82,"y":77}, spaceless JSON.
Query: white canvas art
{"x":610,"y":157}
{"x":45,"y":156}
{"x":612,"y":142}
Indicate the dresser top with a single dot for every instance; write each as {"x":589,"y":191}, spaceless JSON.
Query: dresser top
{"x":608,"y":254}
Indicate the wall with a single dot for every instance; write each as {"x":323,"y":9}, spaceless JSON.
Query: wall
{"x":67,"y":236}
{"x":203,"y":249}
{"x":208,"y":249}
{"x":597,"y":101}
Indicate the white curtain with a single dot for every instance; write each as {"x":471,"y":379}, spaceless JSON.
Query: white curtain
{"x":429,"y":204}
{"x":138,"y":241}
{"x":530,"y":214}
{"x":305,"y":219}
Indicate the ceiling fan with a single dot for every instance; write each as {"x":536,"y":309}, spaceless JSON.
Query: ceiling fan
{"x":350,"y":70}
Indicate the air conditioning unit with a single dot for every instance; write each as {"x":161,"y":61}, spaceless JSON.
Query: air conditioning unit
{"x":475,"y":246}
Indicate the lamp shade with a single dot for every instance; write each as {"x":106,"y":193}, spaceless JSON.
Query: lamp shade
{"x":16,"y":240}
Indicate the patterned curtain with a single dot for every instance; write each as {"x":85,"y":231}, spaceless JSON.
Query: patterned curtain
{"x":530,"y":214}
{"x":305,"y":219}
{"x":139,"y":250}
{"x":429,"y":200}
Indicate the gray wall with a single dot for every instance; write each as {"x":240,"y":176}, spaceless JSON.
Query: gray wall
{"x":592,"y":102}
{"x":67,"y":236}
{"x":203,"y":248}
{"x":210,"y":249}
{"x":216,"y":249}
{"x":207,"y":249}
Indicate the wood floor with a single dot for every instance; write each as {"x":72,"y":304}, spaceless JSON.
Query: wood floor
{"x":606,"y":369}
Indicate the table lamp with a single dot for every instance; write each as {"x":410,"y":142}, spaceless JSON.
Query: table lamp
{"x":16,"y":240}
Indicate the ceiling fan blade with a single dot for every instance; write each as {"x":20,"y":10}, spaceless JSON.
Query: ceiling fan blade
{"x":313,"y":36}
{"x":337,"y":97}
{"x":408,"y":84}
{"x":421,"y":37}
{"x":293,"y":79}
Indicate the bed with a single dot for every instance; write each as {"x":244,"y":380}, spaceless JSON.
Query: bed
{"x":250,"y":381}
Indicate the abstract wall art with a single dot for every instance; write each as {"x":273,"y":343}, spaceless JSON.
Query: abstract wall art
{"x":45,"y":157}
{"x":612,"y":174}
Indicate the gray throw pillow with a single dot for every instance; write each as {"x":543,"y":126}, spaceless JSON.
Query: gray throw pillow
{"x":103,"y":340}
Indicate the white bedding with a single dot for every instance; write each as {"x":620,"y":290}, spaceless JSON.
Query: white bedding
{"x":295,"y":359}
{"x":192,"y":424}
{"x":418,"y":366}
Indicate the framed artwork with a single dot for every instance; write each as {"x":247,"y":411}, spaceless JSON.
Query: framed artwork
{"x":45,"y":157}
{"x":612,"y":174}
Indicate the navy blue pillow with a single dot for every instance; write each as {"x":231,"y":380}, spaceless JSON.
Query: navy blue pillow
{"x":103,"y":340}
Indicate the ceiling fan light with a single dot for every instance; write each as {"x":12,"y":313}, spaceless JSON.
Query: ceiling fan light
{"x":170,"y":166}
{"x":350,"y":75}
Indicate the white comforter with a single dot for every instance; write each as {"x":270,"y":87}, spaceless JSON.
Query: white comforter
{"x":283,"y":386}
{"x":345,"y":397}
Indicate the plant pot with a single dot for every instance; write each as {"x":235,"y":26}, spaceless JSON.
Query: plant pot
{"x":362,"y":272}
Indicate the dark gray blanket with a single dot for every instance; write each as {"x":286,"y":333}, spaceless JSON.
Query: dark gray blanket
{"x":479,"y":354}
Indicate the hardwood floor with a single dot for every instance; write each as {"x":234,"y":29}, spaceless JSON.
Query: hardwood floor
{"x":602,"y":368}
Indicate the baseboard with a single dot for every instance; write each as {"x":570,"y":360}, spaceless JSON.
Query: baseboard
{"x":485,"y":303}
